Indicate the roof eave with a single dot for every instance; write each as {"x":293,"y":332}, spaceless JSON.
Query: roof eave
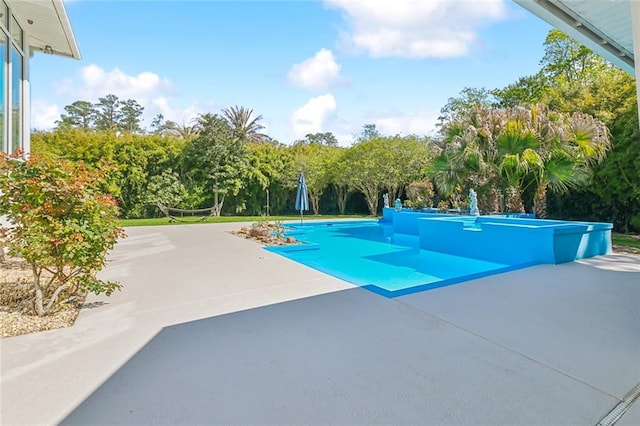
{"x":581,"y":31}
{"x":63,"y":18}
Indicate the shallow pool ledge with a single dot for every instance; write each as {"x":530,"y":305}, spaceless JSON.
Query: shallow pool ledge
{"x":513,"y":240}
{"x":405,"y":221}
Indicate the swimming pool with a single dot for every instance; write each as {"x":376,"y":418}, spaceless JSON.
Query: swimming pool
{"x":369,"y":254}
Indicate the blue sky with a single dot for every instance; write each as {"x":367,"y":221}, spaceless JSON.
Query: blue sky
{"x":305,"y":66}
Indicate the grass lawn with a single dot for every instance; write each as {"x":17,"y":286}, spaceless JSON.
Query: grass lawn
{"x":626,"y":240}
{"x":227,"y":219}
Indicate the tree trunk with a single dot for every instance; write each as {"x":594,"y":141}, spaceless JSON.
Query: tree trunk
{"x":395,"y":191}
{"x":56,"y":295}
{"x":341,"y":197}
{"x":514,"y":201}
{"x":371,"y":195}
{"x":4,"y":233}
{"x":315,"y":203}
{"x":39,"y":296}
{"x":372,"y":202}
{"x":488,"y":201}
{"x":540,"y":202}
{"x":217,"y":206}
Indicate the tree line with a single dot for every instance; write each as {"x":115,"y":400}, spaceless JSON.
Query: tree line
{"x":233,"y":169}
{"x":562,"y":143}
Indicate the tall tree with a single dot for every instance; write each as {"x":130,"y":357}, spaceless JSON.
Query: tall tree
{"x":369,"y":132}
{"x":245,"y":127}
{"x":314,"y":161}
{"x":384,"y":164}
{"x":326,"y":139}
{"x":108,"y":113}
{"x":468,"y":99}
{"x":130,"y":113}
{"x":406,"y":162}
{"x":339,"y":177}
{"x":80,"y":114}
{"x":266,"y":186}
{"x":217,"y":158}
{"x":567,"y":61}
{"x":368,"y":171}
{"x":158,"y":124}
{"x":527,"y":91}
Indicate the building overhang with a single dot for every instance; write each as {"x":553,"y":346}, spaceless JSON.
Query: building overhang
{"x":605,"y":27}
{"x":46,"y":26}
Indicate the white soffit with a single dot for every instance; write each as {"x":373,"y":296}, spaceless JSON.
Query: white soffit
{"x":46,"y":26}
{"x":603,"y":26}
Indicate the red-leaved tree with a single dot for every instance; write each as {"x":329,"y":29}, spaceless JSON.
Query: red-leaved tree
{"x":60,"y":221}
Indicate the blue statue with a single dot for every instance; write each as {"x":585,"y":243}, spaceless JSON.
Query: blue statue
{"x":398,"y":204}
{"x":473,"y":205}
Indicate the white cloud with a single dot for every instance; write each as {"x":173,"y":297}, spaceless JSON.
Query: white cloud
{"x":163,"y":105}
{"x":319,"y":72}
{"x":420,"y":123}
{"x":155,"y":93}
{"x":313,"y":116}
{"x":95,"y":82}
{"x":344,"y":138}
{"x":416,"y":28}
{"x":43,"y":114}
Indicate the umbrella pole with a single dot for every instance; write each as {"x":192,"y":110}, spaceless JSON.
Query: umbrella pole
{"x":300,"y":216}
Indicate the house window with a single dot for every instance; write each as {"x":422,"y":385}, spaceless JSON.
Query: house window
{"x":16,"y":100}
{"x":3,"y":91}
{"x":12,"y":40}
{"x":4,"y":25}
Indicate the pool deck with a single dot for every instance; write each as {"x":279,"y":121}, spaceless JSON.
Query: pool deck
{"x":210,"y":328}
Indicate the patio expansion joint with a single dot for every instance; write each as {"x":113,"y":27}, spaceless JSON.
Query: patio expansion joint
{"x":537,"y":361}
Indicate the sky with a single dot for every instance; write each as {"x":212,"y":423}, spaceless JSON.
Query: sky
{"x":305,"y":66}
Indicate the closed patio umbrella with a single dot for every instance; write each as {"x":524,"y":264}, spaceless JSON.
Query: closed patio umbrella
{"x":302,"y":196}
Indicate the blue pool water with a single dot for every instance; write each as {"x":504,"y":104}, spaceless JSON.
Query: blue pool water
{"x":368,"y":254}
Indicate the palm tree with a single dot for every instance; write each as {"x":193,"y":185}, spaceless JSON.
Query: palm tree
{"x":246,"y":128}
{"x":517,"y":157}
{"x":570,"y":146}
{"x":182,"y":131}
{"x":467,"y":158}
{"x":520,"y":150}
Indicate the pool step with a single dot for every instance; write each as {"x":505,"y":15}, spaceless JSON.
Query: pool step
{"x":295,"y":247}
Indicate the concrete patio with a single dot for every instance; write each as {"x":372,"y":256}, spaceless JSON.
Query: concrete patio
{"x":211,"y":329}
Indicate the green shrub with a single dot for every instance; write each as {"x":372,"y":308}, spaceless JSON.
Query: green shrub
{"x":416,"y":204}
{"x":61,"y":222}
{"x":420,"y":194}
{"x":443,"y":206}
